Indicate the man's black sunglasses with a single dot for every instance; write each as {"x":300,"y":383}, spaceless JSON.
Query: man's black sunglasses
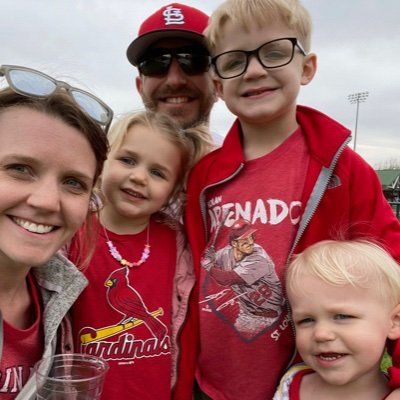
{"x":191,"y":64}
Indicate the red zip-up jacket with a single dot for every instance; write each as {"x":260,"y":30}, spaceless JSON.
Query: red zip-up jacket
{"x":341,"y":192}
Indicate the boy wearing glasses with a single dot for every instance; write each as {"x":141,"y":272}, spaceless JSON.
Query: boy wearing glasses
{"x":173,"y":64}
{"x":287,"y":170}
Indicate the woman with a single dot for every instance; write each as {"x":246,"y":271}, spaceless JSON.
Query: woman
{"x":52,"y":148}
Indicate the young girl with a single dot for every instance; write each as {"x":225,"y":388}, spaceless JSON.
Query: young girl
{"x":51,"y":153}
{"x":140,"y":275}
{"x":345,"y":301}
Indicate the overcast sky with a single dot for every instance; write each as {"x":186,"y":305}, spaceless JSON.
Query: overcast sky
{"x":85,"y":41}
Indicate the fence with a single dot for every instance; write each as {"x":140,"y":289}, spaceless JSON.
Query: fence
{"x":395,"y":207}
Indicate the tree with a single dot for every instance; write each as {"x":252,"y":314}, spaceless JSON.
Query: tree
{"x":392,"y":163}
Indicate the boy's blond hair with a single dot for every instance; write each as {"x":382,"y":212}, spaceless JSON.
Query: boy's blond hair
{"x":247,"y":13}
{"x":358,"y":263}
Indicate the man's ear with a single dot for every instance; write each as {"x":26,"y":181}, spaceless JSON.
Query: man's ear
{"x":139,"y":84}
{"x":394,"y":331}
{"x":309,"y":68}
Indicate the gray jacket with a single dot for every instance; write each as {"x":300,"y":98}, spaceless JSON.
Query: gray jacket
{"x":60,"y":283}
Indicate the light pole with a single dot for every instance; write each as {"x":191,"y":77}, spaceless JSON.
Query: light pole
{"x":358,"y":98}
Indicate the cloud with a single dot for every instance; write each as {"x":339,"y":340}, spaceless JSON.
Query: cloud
{"x":86,"y":40}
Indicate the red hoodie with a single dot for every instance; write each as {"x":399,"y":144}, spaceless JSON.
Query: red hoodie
{"x":356,"y":203}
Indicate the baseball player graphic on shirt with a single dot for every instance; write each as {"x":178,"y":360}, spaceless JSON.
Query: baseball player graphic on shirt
{"x":246,"y":268}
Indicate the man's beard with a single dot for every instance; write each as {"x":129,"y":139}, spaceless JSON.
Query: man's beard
{"x":179,"y":114}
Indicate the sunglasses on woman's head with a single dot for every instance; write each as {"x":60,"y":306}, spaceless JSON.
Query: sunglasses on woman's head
{"x":31,"y":83}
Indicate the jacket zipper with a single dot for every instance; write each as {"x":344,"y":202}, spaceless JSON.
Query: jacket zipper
{"x":318,"y":192}
{"x":203,"y":216}
{"x":202,"y":200}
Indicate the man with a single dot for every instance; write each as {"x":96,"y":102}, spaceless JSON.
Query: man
{"x":173,"y":64}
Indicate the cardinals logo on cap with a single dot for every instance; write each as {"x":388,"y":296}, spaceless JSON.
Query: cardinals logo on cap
{"x":173,"y":16}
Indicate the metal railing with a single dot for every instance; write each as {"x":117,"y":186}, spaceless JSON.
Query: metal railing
{"x":395,"y":207}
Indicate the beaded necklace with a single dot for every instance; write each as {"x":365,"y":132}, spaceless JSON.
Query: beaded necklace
{"x":117,"y":256}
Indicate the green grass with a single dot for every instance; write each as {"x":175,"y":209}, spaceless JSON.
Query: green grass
{"x":386,"y":362}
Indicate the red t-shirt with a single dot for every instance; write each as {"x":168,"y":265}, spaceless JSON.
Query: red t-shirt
{"x":108,"y":320}
{"x":21,"y":348}
{"x":294,"y":382}
{"x":245,"y":337}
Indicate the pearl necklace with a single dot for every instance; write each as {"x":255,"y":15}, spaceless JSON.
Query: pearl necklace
{"x":117,"y":256}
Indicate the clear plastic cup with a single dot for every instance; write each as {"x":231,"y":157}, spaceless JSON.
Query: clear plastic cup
{"x":70,"y":377}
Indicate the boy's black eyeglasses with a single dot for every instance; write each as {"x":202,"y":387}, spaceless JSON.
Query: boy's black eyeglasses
{"x":32,"y":83}
{"x":191,"y":64}
{"x":273,"y":54}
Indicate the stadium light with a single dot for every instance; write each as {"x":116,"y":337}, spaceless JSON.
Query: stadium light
{"x":357,"y":98}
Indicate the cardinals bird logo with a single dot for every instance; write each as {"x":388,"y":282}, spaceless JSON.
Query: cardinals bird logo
{"x":124,"y":299}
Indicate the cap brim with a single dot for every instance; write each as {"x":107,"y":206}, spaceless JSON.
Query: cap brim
{"x":139,"y":46}
{"x":246,"y":234}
